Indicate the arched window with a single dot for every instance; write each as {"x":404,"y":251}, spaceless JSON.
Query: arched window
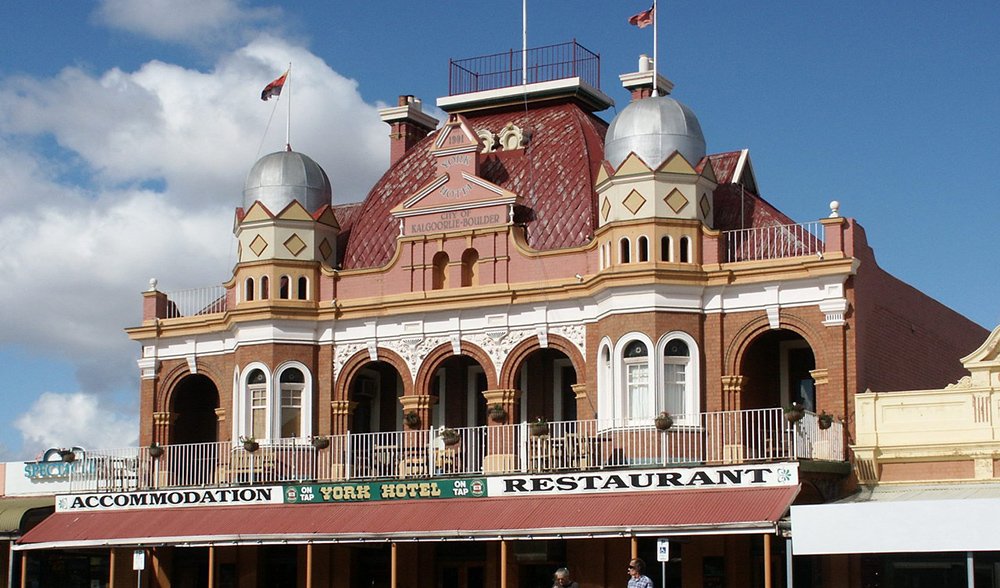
{"x":292,"y":386}
{"x":665,"y":248}
{"x":439,"y":279}
{"x":283,"y":288}
{"x":643,"y":249}
{"x":469,"y":260}
{"x":257,"y":396}
{"x":685,"y":250}
{"x":624,"y":251}
{"x":248,"y":290}
{"x":679,"y":387}
{"x":303,"y":290}
{"x":264,"y":293}
{"x":635,"y":360}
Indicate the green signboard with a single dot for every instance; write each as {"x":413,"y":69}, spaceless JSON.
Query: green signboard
{"x":401,"y":490}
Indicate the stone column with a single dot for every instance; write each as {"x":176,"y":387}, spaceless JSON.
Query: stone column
{"x":584,"y":406}
{"x":501,"y":438}
{"x":732,"y":392}
{"x":728,"y":447}
{"x":162,"y":425}
{"x":340,"y":416}
{"x":221,"y":433}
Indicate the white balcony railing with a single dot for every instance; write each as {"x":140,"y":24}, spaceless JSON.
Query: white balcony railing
{"x":774,"y":242}
{"x":196,"y":301}
{"x":705,"y":438}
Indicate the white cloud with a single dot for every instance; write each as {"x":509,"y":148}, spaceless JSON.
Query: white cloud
{"x":111,"y":179}
{"x":65,"y":420}
{"x":180,"y":20}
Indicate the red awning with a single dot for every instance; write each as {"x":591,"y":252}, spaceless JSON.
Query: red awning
{"x":674,"y":512}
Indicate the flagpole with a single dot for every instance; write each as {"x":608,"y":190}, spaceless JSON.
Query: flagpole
{"x":524,"y":42}
{"x":288,"y":112}
{"x":656,"y":60}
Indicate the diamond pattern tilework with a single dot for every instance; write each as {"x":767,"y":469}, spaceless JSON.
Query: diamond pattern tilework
{"x":634,"y":201}
{"x":325,"y":249}
{"x":295,"y":245}
{"x":258,"y":245}
{"x":706,"y":207}
{"x":676,"y":201}
{"x":605,"y":208}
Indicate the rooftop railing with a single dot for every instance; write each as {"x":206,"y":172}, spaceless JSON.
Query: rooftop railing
{"x":196,"y":301}
{"x":504,"y":70}
{"x":749,"y":436}
{"x":774,"y":242}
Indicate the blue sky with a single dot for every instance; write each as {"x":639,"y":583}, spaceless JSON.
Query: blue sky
{"x":127,"y":128}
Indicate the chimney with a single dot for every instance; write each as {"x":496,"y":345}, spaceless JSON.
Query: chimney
{"x":640,"y":83}
{"x":409,"y":125}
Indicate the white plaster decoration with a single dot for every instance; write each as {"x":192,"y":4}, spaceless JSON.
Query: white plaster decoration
{"x":192,"y":362}
{"x":152,"y":285}
{"x":511,"y":137}
{"x":576,"y":334}
{"x":456,"y":344}
{"x":510,"y":214}
{"x":543,"y":337}
{"x":413,"y":350}
{"x":772,"y":316}
{"x":499,"y":348}
{"x":489,"y":140}
{"x":342,"y":354}
{"x":373,"y":350}
{"x":148,"y":366}
{"x":402,"y":228}
{"x":833,"y":312}
{"x":496,"y":335}
{"x":834,"y":209}
{"x":964,"y":382}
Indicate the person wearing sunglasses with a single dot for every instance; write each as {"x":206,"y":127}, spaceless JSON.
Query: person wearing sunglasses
{"x":637,"y":579}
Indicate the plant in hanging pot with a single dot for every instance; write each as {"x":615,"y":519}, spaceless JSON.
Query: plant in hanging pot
{"x":794,"y":412}
{"x":539,"y":427}
{"x":497,"y":413}
{"x":825,"y":420}
{"x":250,"y":444}
{"x":412,"y":419}
{"x":449,"y":436}
{"x":320,"y":442}
{"x":663,"y":421}
{"x":155,"y":450}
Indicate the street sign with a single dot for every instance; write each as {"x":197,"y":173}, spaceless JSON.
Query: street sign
{"x":662,"y":549}
{"x":139,"y":559}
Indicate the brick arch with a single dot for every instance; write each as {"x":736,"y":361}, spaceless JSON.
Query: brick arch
{"x":360,"y":359}
{"x":170,"y":380}
{"x":741,"y":341}
{"x":522,"y":350}
{"x":443,"y":352}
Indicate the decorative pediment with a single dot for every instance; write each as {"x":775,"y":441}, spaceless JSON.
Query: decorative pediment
{"x":457,"y":198}
{"x":984,"y":363}
{"x":295,"y":211}
{"x":257,"y":212}
{"x":676,"y":164}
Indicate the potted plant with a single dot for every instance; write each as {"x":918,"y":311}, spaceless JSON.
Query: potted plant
{"x":249,"y":444}
{"x":825,"y":420}
{"x":794,"y":412}
{"x":67,"y":455}
{"x":497,"y":413}
{"x":155,"y":450}
{"x":449,"y":436}
{"x":663,"y":421}
{"x":412,"y":419}
{"x":320,"y":442}
{"x":539,"y":427}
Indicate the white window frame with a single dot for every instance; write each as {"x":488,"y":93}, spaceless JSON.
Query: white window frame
{"x":622,"y":406}
{"x":606,"y":405}
{"x":305,"y":410}
{"x":692,"y":378}
{"x":244,"y":396}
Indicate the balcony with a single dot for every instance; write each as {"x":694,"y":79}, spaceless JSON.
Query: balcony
{"x":752,"y":436}
{"x":506,"y":70}
{"x":774,"y":242}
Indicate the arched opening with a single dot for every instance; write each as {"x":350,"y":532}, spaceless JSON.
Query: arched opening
{"x":375,"y":390}
{"x":685,"y":250}
{"x":303,"y":289}
{"x":439,"y":280}
{"x":545,"y":379}
{"x":458,"y":384}
{"x":469,"y":275}
{"x":665,"y":253}
{"x":264,"y":285}
{"x":195,"y":399}
{"x":624,"y":251}
{"x":635,"y":363}
{"x":248,"y":290}
{"x":292,"y":383}
{"x":643,"y":249}
{"x":283,"y":288}
{"x":776,"y":371}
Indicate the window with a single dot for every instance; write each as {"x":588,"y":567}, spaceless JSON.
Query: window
{"x":636,"y":362}
{"x":624,"y":251}
{"x":283,"y":288}
{"x":643,"y":253}
{"x":676,"y":358}
{"x":263,"y":288}
{"x":685,"y":250}
{"x":257,"y":390}
{"x":292,"y":385}
{"x":665,"y":248}
{"x":303,"y":290}
{"x":248,"y":290}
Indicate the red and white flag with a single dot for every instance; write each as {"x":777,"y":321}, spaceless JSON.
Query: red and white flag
{"x":274,"y":88}
{"x":643,"y":19}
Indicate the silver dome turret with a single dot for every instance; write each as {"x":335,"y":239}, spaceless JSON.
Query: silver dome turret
{"x":281,"y":177}
{"x":654,"y":128}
